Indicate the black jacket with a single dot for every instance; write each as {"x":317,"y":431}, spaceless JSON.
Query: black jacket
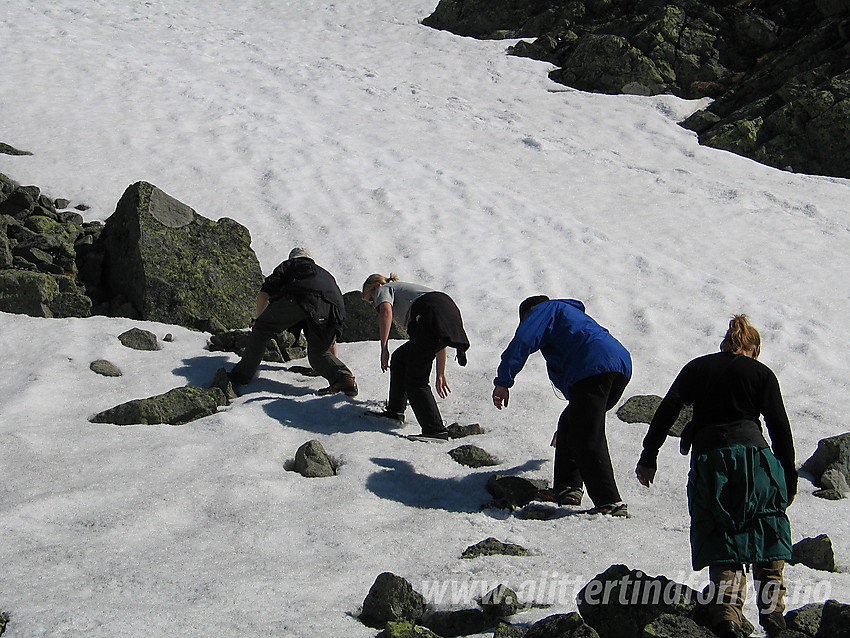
{"x":311,"y":287}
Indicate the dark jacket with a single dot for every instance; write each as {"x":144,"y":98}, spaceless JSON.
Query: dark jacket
{"x":311,"y":287}
{"x":574,"y":345}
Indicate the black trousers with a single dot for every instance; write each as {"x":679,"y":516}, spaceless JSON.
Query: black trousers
{"x":581,"y":451}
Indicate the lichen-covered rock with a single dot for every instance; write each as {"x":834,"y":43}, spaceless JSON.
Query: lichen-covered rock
{"x":806,"y":619}
{"x":312,"y":461}
{"x":641,"y":409}
{"x":41,"y":295}
{"x":405,"y":629}
{"x":284,"y":346}
{"x":175,"y":266}
{"x":569,"y":625}
{"x":462,"y":622}
{"x":472,"y":456}
{"x":391,"y":598}
{"x":458,"y":431}
{"x":816,"y":553}
{"x":105,"y":368}
{"x":139,"y":339}
{"x":500,"y":602}
{"x":511,"y":492}
{"x":675,"y":626}
{"x":493,"y":547}
{"x":175,"y":407}
{"x":361,"y":321}
{"x":619,"y":602}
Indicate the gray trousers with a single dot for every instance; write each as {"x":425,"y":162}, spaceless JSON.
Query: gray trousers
{"x":282,"y":314}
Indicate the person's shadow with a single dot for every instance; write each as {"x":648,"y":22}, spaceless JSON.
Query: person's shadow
{"x":400,"y":482}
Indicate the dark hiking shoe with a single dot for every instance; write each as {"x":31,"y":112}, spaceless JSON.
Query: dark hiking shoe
{"x":561,"y":495}
{"x":383,"y":414}
{"x":727,"y":629}
{"x":620,"y":510}
{"x":346,"y":385}
{"x":773,"y":624}
{"x":436,"y":435}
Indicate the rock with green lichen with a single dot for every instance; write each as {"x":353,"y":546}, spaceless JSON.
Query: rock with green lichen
{"x":175,"y":407}
{"x":175,"y":266}
{"x":41,"y":295}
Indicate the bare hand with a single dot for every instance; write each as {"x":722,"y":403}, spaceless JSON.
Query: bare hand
{"x":385,"y":358}
{"x":501,"y":396}
{"x":442,"y":386}
{"x":645,"y":475}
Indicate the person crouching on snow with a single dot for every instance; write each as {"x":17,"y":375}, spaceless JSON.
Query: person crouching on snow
{"x":433,"y":322}
{"x":738,"y":489}
{"x":591,"y":369}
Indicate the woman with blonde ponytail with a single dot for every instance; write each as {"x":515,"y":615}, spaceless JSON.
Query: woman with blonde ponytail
{"x":433,"y":322}
{"x":738,"y":487}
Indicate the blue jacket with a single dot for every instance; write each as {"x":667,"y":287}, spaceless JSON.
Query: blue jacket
{"x":574,"y":345}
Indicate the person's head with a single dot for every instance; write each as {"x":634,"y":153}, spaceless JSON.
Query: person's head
{"x":741,"y":338}
{"x":528,"y":305}
{"x":298,"y":252}
{"x":375,"y":281}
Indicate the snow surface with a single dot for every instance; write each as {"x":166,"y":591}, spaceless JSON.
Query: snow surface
{"x":381,"y":145}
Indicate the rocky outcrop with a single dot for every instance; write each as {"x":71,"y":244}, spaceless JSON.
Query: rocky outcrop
{"x":284,"y":346}
{"x":361,"y":320}
{"x":830,"y":467}
{"x":779,"y":70}
{"x":164,"y":262}
{"x":41,"y":295}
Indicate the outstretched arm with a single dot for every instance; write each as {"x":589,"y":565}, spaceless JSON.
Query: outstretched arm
{"x":442,"y":385}
{"x":385,"y":322}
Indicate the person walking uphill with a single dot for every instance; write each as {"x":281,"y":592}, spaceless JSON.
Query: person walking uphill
{"x":300,"y":293}
{"x":433,"y":322}
{"x":738,"y":489}
{"x":591,"y":368}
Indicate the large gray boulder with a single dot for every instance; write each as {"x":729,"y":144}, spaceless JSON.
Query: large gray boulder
{"x":167,"y":263}
{"x":175,"y":407}
{"x":830,"y":464}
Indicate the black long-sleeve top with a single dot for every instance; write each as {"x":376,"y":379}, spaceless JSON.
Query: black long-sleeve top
{"x":725,"y":388}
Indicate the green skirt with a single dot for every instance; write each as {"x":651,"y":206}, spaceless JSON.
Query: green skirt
{"x":737,"y":499}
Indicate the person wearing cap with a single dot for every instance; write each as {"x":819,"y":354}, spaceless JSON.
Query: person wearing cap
{"x":299,"y":294}
{"x":591,"y":369}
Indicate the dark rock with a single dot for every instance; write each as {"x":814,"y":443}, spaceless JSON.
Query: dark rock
{"x":506,"y":630}
{"x":619,"y":603}
{"x":493,"y":547}
{"x":105,"y":368}
{"x":816,"y":553}
{"x":501,"y":601}
{"x":806,"y":619}
{"x":449,"y":624}
{"x":5,"y":251}
{"x":61,"y":203}
{"x":829,"y":495}
{"x":511,"y":492}
{"x":175,"y":407}
{"x":18,"y":204}
{"x":391,"y":598}
{"x":176,"y":266}
{"x":404,"y":629}
{"x":361,"y":320}
{"x":831,"y":459}
{"x":41,"y":295}
{"x":139,"y":339}
{"x":312,"y":461}
{"x":674,"y":626}
{"x":561,"y":626}
{"x":538,"y":512}
{"x":6,"y":149}
{"x":284,"y":346}
{"x":641,"y":409}
{"x":472,"y":456}
{"x":223,"y":383}
{"x":458,"y":431}
{"x":835,"y":622}
{"x":168,"y":338}
{"x":4,"y":620}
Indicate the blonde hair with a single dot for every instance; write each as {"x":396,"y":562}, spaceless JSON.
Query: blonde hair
{"x":741,"y":336}
{"x":376,"y":280}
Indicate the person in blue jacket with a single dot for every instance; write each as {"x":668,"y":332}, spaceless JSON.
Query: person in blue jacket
{"x":591,"y":368}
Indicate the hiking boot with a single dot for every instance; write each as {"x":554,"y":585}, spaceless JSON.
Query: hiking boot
{"x":620,"y":510}
{"x":345,"y":384}
{"x":773,"y":624}
{"x":439,"y":435}
{"x":384,"y":414}
{"x":727,"y":629}
{"x":561,"y":495}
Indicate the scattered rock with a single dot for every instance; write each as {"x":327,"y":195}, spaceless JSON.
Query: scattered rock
{"x":830,"y":464}
{"x":561,"y":626}
{"x":506,"y":630}
{"x":41,"y":295}
{"x":175,"y":407}
{"x":501,"y":601}
{"x":105,"y":368}
{"x":361,"y":320}
{"x":472,"y":456}
{"x":404,"y":629}
{"x":619,"y":602}
{"x":511,"y":492}
{"x":538,"y":512}
{"x":806,"y":619}
{"x":641,"y":409}
{"x":449,"y":624}
{"x":458,"y":431}
{"x":835,"y":621}
{"x":312,"y":461}
{"x":139,"y":339}
{"x":6,"y":149}
{"x":816,"y":553}
{"x":168,"y":338}
{"x":283,"y":347}
{"x":493,"y":547}
{"x":223,"y":383}
{"x":391,"y":598}
{"x":675,"y":626}
{"x":162,"y":261}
